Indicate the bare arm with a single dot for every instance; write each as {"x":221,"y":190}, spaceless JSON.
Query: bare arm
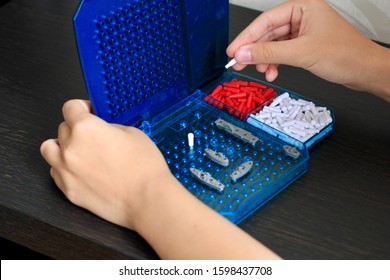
{"x":178,"y":226}
{"x":118,"y":173}
{"x":311,"y":35}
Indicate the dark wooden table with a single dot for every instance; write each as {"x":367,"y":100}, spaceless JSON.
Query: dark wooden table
{"x":340,"y":209}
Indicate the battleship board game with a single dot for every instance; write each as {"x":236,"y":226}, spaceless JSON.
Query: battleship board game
{"x":234,"y":142}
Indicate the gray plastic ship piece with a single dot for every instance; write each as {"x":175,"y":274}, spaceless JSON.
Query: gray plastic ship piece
{"x":291,"y":151}
{"x":217,"y":157}
{"x":240,"y":133}
{"x":206,"y":179}
{"x":241,"y":170}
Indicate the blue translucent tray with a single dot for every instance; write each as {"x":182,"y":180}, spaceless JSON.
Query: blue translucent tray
{"x":272,"y":171}
{"x":150,"y":63}
{"x":228,"y":76}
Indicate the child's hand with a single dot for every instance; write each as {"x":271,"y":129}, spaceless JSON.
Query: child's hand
{"x":102,"y":167}
{"x":307,"y":34}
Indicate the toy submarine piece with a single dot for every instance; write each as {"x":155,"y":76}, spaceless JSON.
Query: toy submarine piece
{"x":241,"y":170}
{"x":291,"y":151}
{"x":217,"y":157}
{"x":206,"y":179}
{"x":240,"y":133}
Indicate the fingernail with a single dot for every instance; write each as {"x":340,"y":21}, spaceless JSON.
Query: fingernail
{"x":243,"y":55}
{"x":84,"y":105}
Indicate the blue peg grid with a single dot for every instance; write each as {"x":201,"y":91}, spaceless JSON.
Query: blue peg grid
{"x":141,"y":56}
{"x":273,"y":169}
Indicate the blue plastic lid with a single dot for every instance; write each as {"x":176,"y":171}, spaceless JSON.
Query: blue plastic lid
{"x":140,"y":57}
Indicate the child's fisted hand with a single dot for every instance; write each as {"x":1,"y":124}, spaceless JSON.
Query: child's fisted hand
{"x":105,"y":168}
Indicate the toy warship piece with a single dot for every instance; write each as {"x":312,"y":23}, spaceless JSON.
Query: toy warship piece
{"x":241,"y":170}
{"x":240,"y":133}
{"x":217,"y":157}
{"x":206,"y":178}
{"x":291,"y":151}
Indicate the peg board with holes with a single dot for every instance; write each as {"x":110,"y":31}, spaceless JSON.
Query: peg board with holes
{"x":273,"y":169}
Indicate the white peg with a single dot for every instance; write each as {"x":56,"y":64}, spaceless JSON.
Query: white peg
{"x":191,"y":140}
{"x":231,"y":63}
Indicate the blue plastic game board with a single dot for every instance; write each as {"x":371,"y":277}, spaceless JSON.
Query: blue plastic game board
{"x":150,"y":63}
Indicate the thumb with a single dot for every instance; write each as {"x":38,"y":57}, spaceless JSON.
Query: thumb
{"x":290,"y":52}
{"x":74,"y":109}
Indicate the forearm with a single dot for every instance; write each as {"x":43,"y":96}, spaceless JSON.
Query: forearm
{"x":374,"y":74}
{"x":179,"y":226}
